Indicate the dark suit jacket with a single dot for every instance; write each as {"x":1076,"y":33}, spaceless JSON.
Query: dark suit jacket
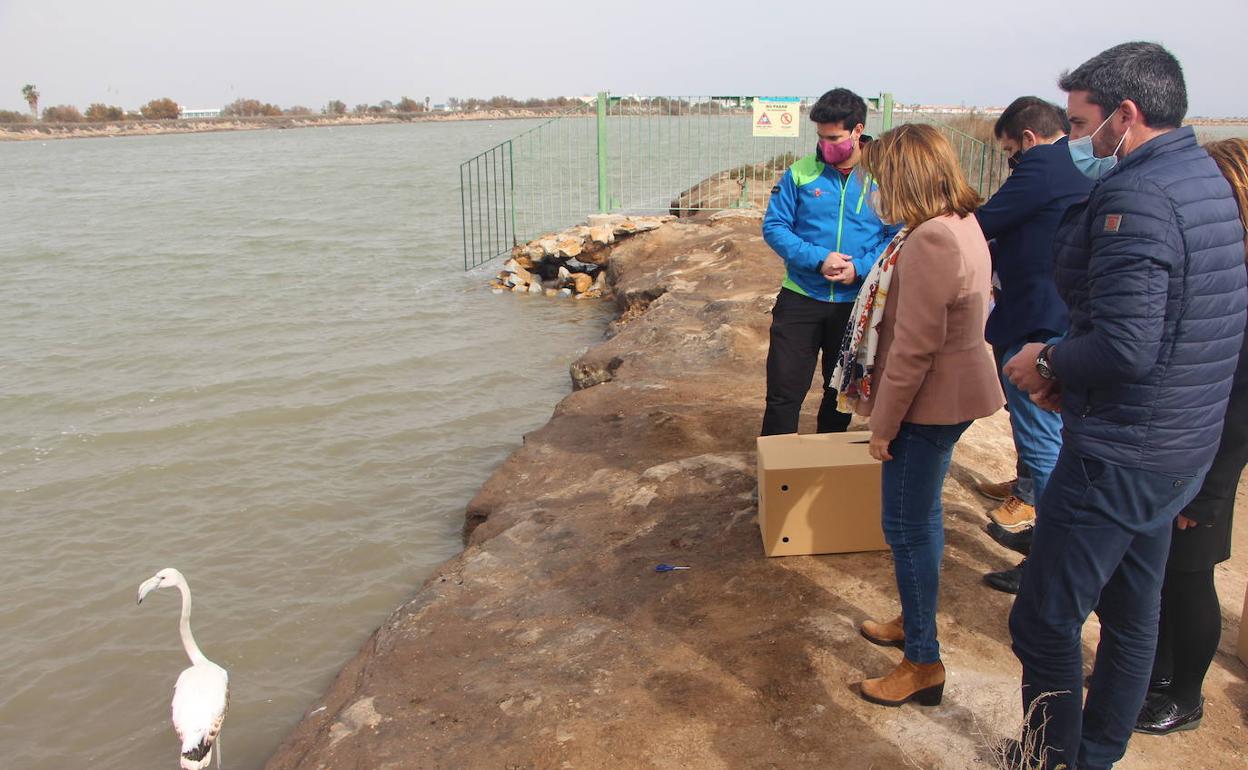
{"x":1023,"y":217}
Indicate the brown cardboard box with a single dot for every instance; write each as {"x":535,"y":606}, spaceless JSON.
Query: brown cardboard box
{"x":818,"y":493}
{"x":1242,"y":648}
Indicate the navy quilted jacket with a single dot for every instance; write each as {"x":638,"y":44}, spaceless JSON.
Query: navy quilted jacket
{"x":1152,"y":269}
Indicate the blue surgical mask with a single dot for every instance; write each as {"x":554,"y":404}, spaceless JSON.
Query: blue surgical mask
{"x":1084,"y":156}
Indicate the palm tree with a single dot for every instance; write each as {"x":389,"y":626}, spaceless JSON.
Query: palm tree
{"x":32,"y":99}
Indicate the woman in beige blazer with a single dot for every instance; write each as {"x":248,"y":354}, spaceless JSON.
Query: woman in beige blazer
{"x":916,"y":363}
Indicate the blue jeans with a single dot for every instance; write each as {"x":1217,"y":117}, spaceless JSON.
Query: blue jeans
{"x":1100,"y":543}
{"x":914,"y":526}
{"x":1037,"y":436}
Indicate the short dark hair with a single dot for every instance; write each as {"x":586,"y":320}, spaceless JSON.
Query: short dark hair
{"x":840,"y":105}
{"x":1145,"y":73}
{"x":1031,"y":113}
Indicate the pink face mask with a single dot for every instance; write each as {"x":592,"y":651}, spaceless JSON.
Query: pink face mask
{"x":835,"y":153}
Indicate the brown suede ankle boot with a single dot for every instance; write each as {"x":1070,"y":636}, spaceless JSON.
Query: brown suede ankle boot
{"x":923,"y":683}
{"x":890,"y":634}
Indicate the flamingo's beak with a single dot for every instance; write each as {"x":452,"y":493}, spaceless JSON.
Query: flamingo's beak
{"x":149,"y":585}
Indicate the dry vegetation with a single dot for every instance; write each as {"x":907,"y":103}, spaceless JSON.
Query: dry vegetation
{"x":975,"y":125}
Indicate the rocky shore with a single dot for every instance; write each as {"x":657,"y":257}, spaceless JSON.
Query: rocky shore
{"x":552,"y":642}
{"x":572,"y":262}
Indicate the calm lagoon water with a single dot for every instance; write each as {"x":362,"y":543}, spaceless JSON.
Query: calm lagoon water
{"x":255,"y":357}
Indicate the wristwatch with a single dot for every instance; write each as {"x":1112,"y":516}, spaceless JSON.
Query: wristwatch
{"x":1042,"y":363}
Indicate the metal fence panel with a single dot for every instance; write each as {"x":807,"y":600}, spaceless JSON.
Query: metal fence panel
{"x":678,"y":154}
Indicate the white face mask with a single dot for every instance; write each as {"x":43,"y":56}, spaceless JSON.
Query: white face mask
{"x":1084,"y":156}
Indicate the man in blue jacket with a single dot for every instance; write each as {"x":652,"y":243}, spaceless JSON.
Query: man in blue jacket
{"x":1152,"y":270}
{"x":1021,"y":220}
{"x":821,"y":224}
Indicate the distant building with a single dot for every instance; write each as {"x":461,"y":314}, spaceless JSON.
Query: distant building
{"x":439,"y":108}
{"x":184,"y":113}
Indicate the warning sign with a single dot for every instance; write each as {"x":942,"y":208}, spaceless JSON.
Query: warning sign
{"x":776,"y":116}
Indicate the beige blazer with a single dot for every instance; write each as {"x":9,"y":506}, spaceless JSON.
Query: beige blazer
{"x":932,"y":365}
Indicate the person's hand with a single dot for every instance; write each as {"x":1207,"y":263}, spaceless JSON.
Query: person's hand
{"x":833,"y":264}
{"x":1021,"y":369}
{"x":1184,"y":523}
{"x":846,"y":274}
{"x":878,"y":447}
{"x":1049,"y":397}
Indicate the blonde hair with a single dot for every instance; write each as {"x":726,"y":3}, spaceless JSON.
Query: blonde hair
{"x":1231,"y":155}
{"x":918,"y":174}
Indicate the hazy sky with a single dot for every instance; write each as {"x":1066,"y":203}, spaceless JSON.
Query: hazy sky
{"x":206,"y":53}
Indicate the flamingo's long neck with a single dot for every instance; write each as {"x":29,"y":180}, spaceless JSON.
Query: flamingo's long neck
{"x":184,"y":628}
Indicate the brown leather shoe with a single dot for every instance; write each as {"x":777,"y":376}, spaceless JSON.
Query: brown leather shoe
{"x":923,"y":683}
{"x":1013,"y":514}
{"x":997,"y":490}
{"x":890,"y":634}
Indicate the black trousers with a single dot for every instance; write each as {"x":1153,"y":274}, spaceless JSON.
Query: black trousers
{"x":1191,"y":618}
{"x":1187,"y":638}
{"x":801,"y":329}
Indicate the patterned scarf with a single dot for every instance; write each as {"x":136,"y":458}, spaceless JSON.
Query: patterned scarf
{"x":855,"y":366}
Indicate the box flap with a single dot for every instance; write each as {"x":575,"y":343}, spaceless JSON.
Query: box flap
{"x":814,"y":450}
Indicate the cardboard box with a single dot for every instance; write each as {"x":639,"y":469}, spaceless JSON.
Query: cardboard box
{"x":818,"y":493}
{"x":1242,"y":648}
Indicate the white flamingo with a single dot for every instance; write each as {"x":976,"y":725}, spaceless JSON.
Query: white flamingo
{"x":202,"y":693}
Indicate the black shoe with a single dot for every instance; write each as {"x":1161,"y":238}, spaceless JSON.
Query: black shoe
{"x":1019,"y":541}
{"x":1162,"y":716}
{"x":1006,"y":580}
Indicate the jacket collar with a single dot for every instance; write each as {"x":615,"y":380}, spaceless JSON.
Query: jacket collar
{"x":1171,"y":141}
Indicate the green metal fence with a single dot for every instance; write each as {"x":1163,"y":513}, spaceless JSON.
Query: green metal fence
{"x":985,"y":166}
{"x":648,"y":155}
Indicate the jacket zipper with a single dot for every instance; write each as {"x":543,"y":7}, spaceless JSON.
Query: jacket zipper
{"x":840,"y":223}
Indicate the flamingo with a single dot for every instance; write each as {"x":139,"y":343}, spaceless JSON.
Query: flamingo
{"x":203,"y":691}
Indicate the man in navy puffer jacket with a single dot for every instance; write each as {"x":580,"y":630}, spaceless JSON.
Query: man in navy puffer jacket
{"x":1152,"y":269}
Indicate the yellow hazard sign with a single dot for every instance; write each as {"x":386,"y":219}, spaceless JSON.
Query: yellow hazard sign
{"x":776,"y":116}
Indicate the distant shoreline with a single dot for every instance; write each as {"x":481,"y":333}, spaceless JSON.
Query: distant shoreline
{"x":26,"y":132}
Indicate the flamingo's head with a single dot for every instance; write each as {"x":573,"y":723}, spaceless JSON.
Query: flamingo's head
{"x":163,"y":579}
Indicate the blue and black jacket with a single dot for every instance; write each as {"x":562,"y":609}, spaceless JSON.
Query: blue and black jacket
{"x":815,"y":210}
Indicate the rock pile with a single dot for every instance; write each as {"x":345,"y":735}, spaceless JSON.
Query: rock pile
{"x":743,"y":188}
{"x":570,"y":263}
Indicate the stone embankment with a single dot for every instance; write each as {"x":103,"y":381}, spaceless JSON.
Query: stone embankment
{"x":570,"y":263}
{"x":551,"y":642}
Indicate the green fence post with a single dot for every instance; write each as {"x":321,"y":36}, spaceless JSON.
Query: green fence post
{"x":604,"y":203}
{"x":886,"y":107}
{"x":511,"y":188}
{"x":983,"y":161}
